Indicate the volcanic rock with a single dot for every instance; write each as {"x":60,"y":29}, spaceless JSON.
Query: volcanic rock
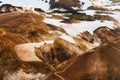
{"x":105,"y":34}
{"x":7,"y":8}
{"x":87,"y":36}
{"x":58,"y":52}
{"x":66,"y":4}
{"x":100,"y":63}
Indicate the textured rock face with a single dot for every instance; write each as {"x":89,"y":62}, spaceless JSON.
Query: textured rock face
{"x":58,"y":52}
{"x":66,"y":4}
{"x":7,"y":8}
{"x":100,"y":63}
{"x":105,"y":34}
{"x":87,"y":36}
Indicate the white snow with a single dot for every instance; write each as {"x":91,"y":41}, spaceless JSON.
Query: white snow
{"x":75,"y":8}
{"x":21,"y":75}
{"x":75,"y":28}
{"x":28,"y":9}
{"x":59,"y":14}
{"x":67,"y":38}
{"x":56,"y":0}
{"x":106,"y":2}
{"x":63,"y":36}
{"x":96,"y":3}
{"x":101,"y":3}
{"x":87,"y":3}
{"x":33,"y":3}
{"x":113,"y":7}
{"x":59,"y":9}
{"x":88,"y":12}
{"x":115,"y":15}
{"x":89,"y":26}
{"x":26,"y":51}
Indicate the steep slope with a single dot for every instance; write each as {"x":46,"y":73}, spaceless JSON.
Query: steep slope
{"x":17,"y":28}
{"x":22,"y":32}
{"x":100,"y":63}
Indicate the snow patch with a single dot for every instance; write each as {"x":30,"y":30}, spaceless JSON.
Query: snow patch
{"x":86,"y":4}
{"x":67,"y":38}
{"x":75,"y":8}
{"x":29,"y":8}
{"x":97,"y":3}
{"x":89,"y":12}
{"x":33,"y":3}
{"x":21,"y":75}
{"x":56,"y":0}
{"x":58,"y":9}
{"x":101,"y":3}
{"x":74,"y":29}
{"x":113,"y":7}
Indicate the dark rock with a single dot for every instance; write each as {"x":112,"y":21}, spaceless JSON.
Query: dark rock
{"x":1,"y":77}
{"x":87,"y":36}
{"x":96,"y":8}
{"x":104,"y":17}
{"x":66,"y":4}
{"x":7,"y":8}
{"x":38,"y":10}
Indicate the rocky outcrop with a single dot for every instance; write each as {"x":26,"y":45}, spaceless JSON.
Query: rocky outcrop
{"x":87,"y":36}
{"x":66,"y":4}
{"x":38,"y":9}
{"x":105,"y":34}
{"x":100,"y":63}
{"x":7,"y":8}
{"x":58,"y":52}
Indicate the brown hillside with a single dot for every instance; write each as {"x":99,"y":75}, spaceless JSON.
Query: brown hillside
{"x":18,"y":28}
{"x":101,"y":63}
